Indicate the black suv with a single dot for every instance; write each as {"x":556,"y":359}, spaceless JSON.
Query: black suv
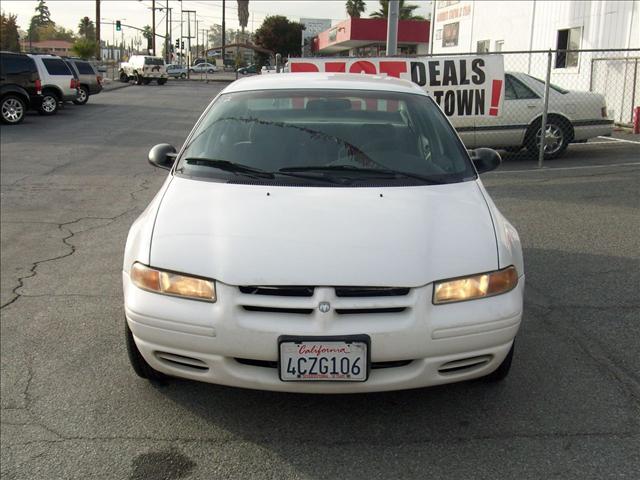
{"x":20,"y":87}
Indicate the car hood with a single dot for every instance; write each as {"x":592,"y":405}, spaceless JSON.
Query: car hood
{"x":274,"y":235}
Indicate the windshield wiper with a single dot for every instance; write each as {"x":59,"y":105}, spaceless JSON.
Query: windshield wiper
{"x":352,"y":168}
{"x":227,"y":166}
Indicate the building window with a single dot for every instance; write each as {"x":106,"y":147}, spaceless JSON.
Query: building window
{"x":483,"y":46}
{"x":439,"y":34}
{"x":450,"y":34}
{"x":568,"y":39}
{"x":499,"y":45}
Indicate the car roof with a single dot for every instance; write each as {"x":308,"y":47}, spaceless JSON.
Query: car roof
{"x":325,"y":81}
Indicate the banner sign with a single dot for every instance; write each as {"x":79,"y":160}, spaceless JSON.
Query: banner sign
{"x":465,"y":86}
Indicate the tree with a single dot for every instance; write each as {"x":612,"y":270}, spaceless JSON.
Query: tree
{"x":86,"y":28}
{"x":42,"y":18}
{"x":9,"y":38}
{"x":406,"y":11}
{"x":243,"y":15}
{"x":84,"y":48}
{"x":148,"y":34}
{"x":280,"y":35}
{"x":52,"y":32}
{"x":355,"y":8}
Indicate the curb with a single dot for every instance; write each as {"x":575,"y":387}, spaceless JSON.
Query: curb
{"x":115,"y":87}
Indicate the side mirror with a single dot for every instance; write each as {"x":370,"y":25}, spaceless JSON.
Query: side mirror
{"x":485,"y":159}
{"x":162,"y":155}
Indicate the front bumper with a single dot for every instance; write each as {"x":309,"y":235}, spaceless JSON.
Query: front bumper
{"x":212,"y":337}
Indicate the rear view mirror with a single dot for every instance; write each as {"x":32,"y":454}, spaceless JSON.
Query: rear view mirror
{"x":485,"y":159}
{"x":162,"y":155}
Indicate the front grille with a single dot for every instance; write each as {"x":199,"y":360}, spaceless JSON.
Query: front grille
{"x":359,"y":311}
{"x":371,"y":292}
{"x":299,"y":311}
{"x":297,"y":299}
{"x":289,"y":291}
{"x":273,"y":364}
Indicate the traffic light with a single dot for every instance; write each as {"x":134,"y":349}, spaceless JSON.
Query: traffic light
{"x":182,"y":44}
{"x":118,"y":25}
{"x":177,"y":44}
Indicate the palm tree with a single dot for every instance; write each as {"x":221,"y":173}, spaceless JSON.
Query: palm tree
{"x":86,"y":28}
{"x":355,"y":8}
{"x":243,"y":15}
{"x":406,"y":11}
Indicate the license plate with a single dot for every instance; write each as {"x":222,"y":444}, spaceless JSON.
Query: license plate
{"x":317,"y":359}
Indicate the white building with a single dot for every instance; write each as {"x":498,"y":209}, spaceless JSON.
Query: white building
{"x":514,"y":26}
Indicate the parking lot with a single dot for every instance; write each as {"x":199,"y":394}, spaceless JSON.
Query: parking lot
{"x":73,"y":408}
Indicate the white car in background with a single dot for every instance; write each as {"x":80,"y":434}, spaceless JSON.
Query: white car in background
{"x":573,"y":117}
{"x":304,"y":243}
{"x":59,"y":83}
{"x":203,"y":68}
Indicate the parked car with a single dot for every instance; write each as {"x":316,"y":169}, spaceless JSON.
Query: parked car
{"x":143,"y":69}
{"x":90,"y":80}
{"x":304,"y":243}
{"x":176,"y":71}
{"x":266,"y":69}
{"x":573,"y":117}
{"x":20,"y":87}
{"x":203,"y":67}
{"x":59,"y":83}
{"x":248,"y":70}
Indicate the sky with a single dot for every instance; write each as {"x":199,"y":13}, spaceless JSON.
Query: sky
{"x":67,"y":13}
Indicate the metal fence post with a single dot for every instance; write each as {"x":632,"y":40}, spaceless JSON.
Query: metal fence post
{"x":543,"y":127}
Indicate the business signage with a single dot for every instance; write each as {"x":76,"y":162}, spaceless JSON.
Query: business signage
{"x":463,"y":86}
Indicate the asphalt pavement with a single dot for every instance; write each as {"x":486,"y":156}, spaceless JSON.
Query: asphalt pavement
{"x":72,"y":408}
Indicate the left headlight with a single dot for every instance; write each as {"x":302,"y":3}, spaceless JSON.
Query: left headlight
{"x":475,"y":286}
{"x":170,"y":283}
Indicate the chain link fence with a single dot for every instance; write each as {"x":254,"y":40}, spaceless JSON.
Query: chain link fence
{"x":571,"y":95}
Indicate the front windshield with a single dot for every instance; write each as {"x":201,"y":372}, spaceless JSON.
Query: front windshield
{"x":353,"y":135}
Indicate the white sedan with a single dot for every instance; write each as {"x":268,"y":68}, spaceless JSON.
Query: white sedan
{"x":573,"y":117}
{"x":322,"y":233}
{"x":203,"y":68}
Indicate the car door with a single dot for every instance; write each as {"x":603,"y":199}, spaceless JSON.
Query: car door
{"x":521,"y":106}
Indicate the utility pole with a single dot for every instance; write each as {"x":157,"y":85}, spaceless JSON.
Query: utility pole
{"x":189,"y":12}
{"x":181,"y":35}
{"x":197,"y":40}
{"x":153,"y":26}
{"x":167,"y":41}
{"x":392,"y":28}
{"x":98,"y":51}
{"x":223,"y":34}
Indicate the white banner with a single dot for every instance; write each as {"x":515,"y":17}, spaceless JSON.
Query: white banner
{"x":465,"y":86}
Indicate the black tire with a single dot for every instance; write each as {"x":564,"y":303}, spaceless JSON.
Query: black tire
{"x":139,"y":79}
{"x":191,"y":70}
{"x":124,"y":78}
{"x":139,"y":364}
{"x":502,"y":371}
{"x":83,"y":96}
{"x":12,"y":109}
{"x":211,"y":70}
{"x":49,"y":104}
{"x":162,"y":81}
{"x":183,"y":76}
{"x":146,"y":81}
{"x":559,"y":134}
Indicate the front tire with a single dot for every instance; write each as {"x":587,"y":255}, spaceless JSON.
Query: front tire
{"x":210,"y":70}
{"x":124,"y":78}
{"x":502,"y":371}
{"x":557,"y":137}
{"x":49,"y":104}
{"x":183,"y":76}
{"x":162,"y":81}
{"x":13,"y":109}
{"x":138,"y":363}
{"x":83,"y":96}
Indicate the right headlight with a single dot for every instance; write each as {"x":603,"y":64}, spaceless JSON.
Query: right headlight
{"x":170,"y":283}
{"x":475,"y":286}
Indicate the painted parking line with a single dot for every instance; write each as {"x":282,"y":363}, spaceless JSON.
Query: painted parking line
{"x":582,"y":167}
{"x":621,"y":140}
